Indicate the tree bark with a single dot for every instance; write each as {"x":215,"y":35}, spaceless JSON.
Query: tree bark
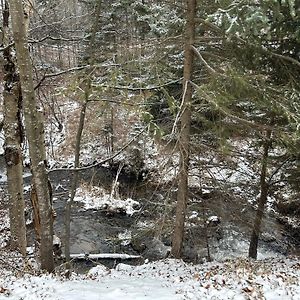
{"x":13,"y":132}
{"x":264,"y":189}
{"x":34,"y":133}
{"x":184,"y":138}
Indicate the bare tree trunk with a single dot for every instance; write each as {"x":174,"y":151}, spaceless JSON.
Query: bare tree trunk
{"x":111,"y":137}
{"x":74,"y":183}
{"x":13,"y":132}
{"x":264,"y":189}
{"x":34,"y":133}
{"x":184,"y":138}
{"x":86,"y":88}
{"x":95,"y":28}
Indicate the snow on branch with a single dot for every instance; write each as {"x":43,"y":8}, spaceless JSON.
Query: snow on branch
{"x":104,"y":256}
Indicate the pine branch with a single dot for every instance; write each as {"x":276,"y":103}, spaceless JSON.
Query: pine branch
{"x":148,"y":88}
{"x":246,"y":43}
{"x":233,"y":116}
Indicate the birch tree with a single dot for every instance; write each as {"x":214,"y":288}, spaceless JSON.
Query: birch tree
{"x":34,"y":133}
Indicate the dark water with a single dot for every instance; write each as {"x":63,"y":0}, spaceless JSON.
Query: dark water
{"x":97,"y":231}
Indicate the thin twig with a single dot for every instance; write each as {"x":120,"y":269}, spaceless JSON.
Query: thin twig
{"x":180,"y":111}
{"x":209,"y":68}
{"x":277,"y":170}
{"x":45,"y":76}
{"x":148,"y":88}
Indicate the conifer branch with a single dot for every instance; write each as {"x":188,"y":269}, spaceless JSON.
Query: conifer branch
{"x":147,"y":88}
{"x":229,"y":114}
{"x":209,"y":68}
{"x":262,"y":48}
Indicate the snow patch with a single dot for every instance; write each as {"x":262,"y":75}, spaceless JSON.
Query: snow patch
{"x":97,"y":198}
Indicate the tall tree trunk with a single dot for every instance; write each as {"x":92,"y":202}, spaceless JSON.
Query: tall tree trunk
{"x":184,"y":138}
{"x":34,"y":133}
{"x":264,"y":189}
{"x":92,"y":47}
{"x":13,"y":132}
{"x":87,"y":90}
{"x":74,"y":181}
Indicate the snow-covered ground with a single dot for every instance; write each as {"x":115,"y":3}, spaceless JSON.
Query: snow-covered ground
{"x":94,"y":197}
{"x":272,"y":279}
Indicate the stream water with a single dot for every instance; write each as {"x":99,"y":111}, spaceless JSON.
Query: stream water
{"x":148,"y":231}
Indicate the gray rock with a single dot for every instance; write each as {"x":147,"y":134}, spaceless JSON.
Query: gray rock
{"x":156,"y":249}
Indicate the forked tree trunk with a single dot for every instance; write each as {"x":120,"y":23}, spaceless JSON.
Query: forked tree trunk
{"x":13,"y":138}
{"x":184,"y":138}
{"x":264,"y":189}
{"x":34,"y":133}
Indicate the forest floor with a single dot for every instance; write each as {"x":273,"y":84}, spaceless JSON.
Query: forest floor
{"x":271,"y":279}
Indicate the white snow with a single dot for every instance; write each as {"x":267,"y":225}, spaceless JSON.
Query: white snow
{"x":164,"y":280}
{"x":104,"y":255}
{"x":96,"y":198}
{"x":212,"y":219}
{"x":125,"y":237}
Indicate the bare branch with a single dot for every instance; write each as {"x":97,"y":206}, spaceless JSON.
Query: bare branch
{"x":128,"y":88}
{"x":148,"y":88}
{"x":102,"y":161}
{"x":60,"y":39}
{"x":286,"y":160}
{"x":7,"y":47}
{"x":283,"y":57}
{"x":209,"y":68}
{"x":45,"y":76}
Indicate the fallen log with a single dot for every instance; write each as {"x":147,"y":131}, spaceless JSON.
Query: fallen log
{"x":122,"y":256}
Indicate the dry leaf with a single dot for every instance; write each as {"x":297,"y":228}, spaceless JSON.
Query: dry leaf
{"x":248,"y":289}
{"x":197,"y":276}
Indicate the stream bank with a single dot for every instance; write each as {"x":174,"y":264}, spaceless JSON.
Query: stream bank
{"x":147,"y":232}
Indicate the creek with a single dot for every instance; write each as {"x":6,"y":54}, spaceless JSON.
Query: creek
{"x":147,"y":232}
